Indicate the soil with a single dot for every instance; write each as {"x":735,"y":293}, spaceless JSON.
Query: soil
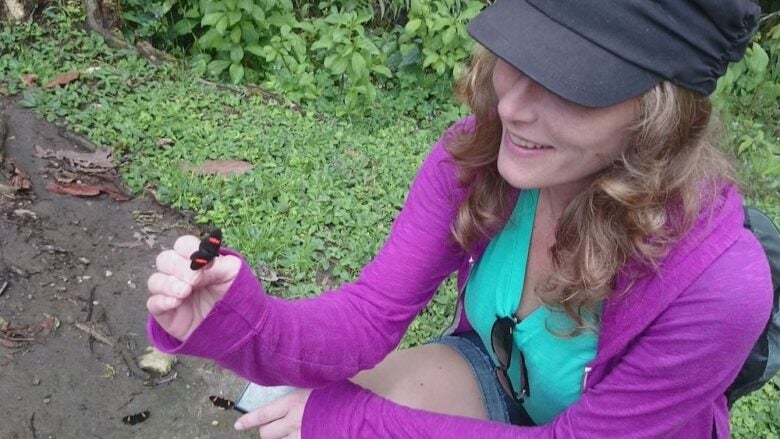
{"x":68,"y":263}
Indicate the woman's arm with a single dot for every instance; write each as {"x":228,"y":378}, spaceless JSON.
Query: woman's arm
{"x":315,"y":341}
{"x":676,"y":369}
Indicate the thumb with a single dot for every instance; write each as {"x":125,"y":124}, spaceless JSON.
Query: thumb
{"x":222,"y":270}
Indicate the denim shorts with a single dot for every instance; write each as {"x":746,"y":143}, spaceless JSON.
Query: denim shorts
{"x":499,"y":405}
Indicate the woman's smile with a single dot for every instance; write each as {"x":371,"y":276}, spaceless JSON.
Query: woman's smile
{"x":524,"y":148}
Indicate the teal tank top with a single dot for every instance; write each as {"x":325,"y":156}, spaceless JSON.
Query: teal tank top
{"x":555,"y":364}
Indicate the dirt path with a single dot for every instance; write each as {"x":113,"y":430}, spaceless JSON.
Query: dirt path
{"x":85,"y":261}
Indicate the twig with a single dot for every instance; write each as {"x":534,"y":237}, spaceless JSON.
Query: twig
{"x":160,"y":381}
{"x":91,"y":303}
{"x":98,"y":336}
{"x":129,"y":360}
{"x":3,"y":287}
{"x":32,"y":426}
{"x":255,"y":91}
{"x":3,"y":132}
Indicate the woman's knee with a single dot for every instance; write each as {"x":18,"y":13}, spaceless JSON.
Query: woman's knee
{"x":432,"y":377}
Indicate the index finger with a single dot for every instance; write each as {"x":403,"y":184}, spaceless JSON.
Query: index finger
{"x":186,"y":245}
{"x":176,"y":262}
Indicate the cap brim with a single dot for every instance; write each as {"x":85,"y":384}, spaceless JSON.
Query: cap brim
{"x":559,"y":59}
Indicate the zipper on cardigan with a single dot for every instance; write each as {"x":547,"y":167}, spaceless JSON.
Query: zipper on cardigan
{"x":458,"y":305}
{"x":585,"y":374}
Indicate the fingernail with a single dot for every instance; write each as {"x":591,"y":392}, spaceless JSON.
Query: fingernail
{"x":179,"y":289}
{"x":238,"y":425}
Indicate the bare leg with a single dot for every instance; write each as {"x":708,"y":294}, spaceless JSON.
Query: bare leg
{"x":431,"y":377}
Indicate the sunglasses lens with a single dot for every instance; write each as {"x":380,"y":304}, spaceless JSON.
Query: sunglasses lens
{"x":501,"y":339}
{"x":503,"y":379}
{"x":525,"y":389}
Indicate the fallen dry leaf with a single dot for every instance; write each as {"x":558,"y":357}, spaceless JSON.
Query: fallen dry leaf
{"x":147,"y":235}
{"x":165,"y":142}
{"x":19,"y":179}
{"x":8,"y":343}
{"x":45,"y":326}
{"x":30,"y":80}
{"x":77,"y":189}
{"x":63,"y":79}
{"x":220,"y":167}
{"x":65,"y":176}
{"x":86,"y":190}
{"x":100,"y":158}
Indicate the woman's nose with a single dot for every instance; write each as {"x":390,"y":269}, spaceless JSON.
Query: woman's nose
{"x":521,"y":101}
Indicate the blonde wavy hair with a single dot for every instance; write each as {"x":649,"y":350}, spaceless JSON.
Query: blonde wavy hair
{"x":632,"y":211}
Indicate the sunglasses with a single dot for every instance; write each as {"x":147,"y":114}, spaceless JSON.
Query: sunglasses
{"x":502,"y":341}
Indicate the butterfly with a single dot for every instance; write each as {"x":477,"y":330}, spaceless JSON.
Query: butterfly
{"x":222,"y":403}
{"x":208,"y":250}
{"x":137,"y":418}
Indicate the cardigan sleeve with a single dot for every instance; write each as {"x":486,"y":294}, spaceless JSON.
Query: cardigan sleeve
{"x":675,"y":370}
{"x":315,"y":341}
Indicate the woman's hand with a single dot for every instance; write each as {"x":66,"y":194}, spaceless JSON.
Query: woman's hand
{"x":279,"y":419}
{"x":180,"y":297}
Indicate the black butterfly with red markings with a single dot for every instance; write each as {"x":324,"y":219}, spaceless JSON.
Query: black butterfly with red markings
{"x":208,"y":250}
{"x":222,"y":403}
{"x":137,"y":418}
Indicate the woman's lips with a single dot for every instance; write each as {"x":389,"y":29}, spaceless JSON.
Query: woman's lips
{"x":524,"y":148}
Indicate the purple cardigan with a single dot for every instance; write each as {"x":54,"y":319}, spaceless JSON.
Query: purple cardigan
{"x":666,"y":351}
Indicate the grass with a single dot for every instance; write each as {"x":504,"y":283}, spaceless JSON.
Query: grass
{"x":325,"y":189}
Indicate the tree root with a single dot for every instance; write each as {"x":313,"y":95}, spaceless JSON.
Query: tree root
{"x":144,"y":48}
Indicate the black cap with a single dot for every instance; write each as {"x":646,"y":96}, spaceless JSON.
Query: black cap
{"x":598,"y":53}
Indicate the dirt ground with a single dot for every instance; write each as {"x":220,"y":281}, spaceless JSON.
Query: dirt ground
{"x":71,"y":264}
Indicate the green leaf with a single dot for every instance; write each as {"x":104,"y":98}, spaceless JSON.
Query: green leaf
{"x":448,"y":36}
{"x":236,"y":73}
{"x":222,"y":25}
{"x":757,"y":59}
{"x":247,"y":5}
{"x":358,"y":64}
{"x":217,"y":66}
{"x":234,"y":17}
{"x":339,"y":65}
{"x":258,"y":14}
{"x":382,"y":70}
{"x":235,"y":34}
{"x":249,"y":32}
{"x":183,"y":26}
{"x":237,"y":54}
{"x":210,"y":39}
{"x":256,"y":49}
{"x":211,"y":19}
{"x":413,"y":25}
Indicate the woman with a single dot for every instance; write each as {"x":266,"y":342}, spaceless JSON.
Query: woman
{"x":608,"y":288}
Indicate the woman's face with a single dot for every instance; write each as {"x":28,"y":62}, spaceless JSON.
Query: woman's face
{"x":549,"y":142}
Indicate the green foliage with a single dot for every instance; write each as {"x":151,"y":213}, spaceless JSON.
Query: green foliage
{"x":747,"y":97}
{"x":332,"y":50}
{"x":753,"y":418}
{"x":436,"y":35}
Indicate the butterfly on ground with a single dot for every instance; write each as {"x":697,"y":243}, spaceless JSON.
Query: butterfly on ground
{"x":222,"y":403}
{"x":136,"y":418}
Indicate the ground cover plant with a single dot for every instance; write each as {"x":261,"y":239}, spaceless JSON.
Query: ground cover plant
{"x":327,"y":180}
